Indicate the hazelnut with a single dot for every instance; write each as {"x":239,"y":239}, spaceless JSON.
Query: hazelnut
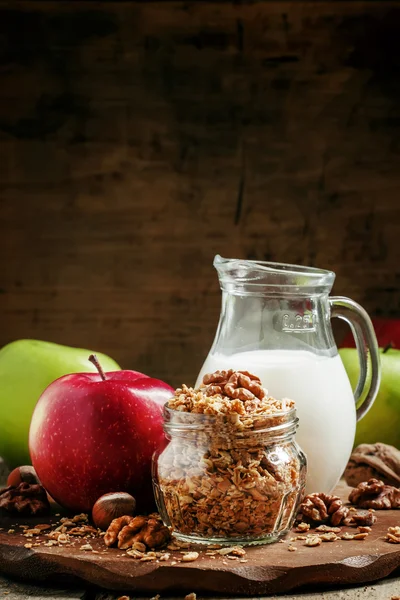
{"x":111,"y":506}
{"x":25,"y":474}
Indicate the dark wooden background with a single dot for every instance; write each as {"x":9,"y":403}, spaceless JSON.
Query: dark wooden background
{"x":137,"y":140}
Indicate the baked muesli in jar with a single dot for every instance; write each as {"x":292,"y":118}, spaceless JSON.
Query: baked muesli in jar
{"x":232,"y":471}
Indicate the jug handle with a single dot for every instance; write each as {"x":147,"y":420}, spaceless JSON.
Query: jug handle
{"x":367,"y":346}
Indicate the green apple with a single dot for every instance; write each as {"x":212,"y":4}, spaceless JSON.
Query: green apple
{"x":27,"y":367}
{"x":382,"y":422}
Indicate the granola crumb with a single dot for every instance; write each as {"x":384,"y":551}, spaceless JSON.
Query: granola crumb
{"x":393,"y":535}
{"x":302,"y":527}
{"x":347,"y":536}
{"x":191,"y":596}
{"x":292,"y":548}
{"x":165,"y":556}
{"x":328,"y":529}
{"x":361,"y":536}
{"x":11,"y":531}
{"x":174,"y":562}
{"x":28,"y":545}
{"x":87,"y":547}
{"x":235,"y":550}
{"x":139,"y":547}
{"x":364,"y":529}
{"x":313,"y":540}
{"x":329,"y":537}
{"x":190,"y":556}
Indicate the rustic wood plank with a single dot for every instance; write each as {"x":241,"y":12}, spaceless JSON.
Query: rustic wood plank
{"x":139,"y":139}
{"x":268,"y":569}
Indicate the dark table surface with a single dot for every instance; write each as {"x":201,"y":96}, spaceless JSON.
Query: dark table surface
{"x":15,"y":590}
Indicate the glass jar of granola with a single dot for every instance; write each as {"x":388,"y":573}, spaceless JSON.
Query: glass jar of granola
{"x":232,"y":471}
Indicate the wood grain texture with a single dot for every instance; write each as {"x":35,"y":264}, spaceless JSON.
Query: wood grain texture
{"x":137,"y":140}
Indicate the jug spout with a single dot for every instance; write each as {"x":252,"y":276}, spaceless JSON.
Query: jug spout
{"x":251,"y":277}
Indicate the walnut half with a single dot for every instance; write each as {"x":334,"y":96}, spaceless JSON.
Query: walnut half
{"x":25,"y":498}
{"x":240,"y":385}
{"x":375,"y":494}
{"x":127,"y":530}
{"x":323,"y":508}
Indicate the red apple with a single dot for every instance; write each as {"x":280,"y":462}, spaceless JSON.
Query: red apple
{"x":93,"y":433}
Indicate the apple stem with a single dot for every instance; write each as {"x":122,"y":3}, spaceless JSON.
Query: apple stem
{"x":388,"y":346}
{"x":93,"y":359}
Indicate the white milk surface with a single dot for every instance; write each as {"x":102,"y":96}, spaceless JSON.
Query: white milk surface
{"x":324,"y":398}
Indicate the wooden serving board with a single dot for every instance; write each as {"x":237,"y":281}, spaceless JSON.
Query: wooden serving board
{"x":270,"y":569}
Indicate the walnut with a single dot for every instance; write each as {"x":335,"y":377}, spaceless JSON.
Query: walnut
{"x":375,"y":494}
{"x":240,"y":385}
{"x":26,"y":498}
{"x":312,"y":540}
{"x":378,"y":461}
{"x":393,"y":535}
{"x":323,"y":508}
{"x":128,"y":530}
{"x":364,"y":518}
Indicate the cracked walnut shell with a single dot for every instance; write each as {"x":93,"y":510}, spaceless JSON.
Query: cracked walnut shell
{"x":127,"y":531}
{"x":373,"y":461}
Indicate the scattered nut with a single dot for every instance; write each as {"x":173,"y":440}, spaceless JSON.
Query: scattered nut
{"x":26,"y":498}
{"x":86,"y":547}
{"x":375,"y":494}
{"x":361,"y":536}
{"x":191,"y":596}
{"x":165,"y":556}
{"x":329,"y":537}
{"x":328,"y":529}
{"x":190,"y":556}
{"x":139,"y":547}
{"x":313,"y":540}
{"x":111,"y":506}
{"x":127,"y":530}
{"x":24,"y":474}
{"x":347,"y":536}
{"x":363,"y":529}
{"x":292,"y":548}
{"x":235,"y":550}
{"x":303,"y":526}
{"x":393,"y":535}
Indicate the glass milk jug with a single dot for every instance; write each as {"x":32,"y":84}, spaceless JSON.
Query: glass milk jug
{"x":275,"y":323}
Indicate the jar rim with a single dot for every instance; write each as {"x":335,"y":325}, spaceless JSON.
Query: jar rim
{"x":203,"y":416}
